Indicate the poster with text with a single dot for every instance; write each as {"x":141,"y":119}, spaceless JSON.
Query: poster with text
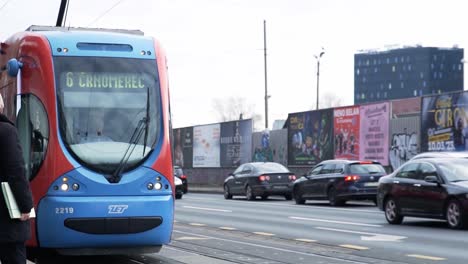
{"x":374,"y":129}
{"x":183,"y":147}
{"x":310,"y":137}
{"x":444,"y":122}
{"x":206,"y":147}
{"x":346,"y":132}
{"x":236,"y":142}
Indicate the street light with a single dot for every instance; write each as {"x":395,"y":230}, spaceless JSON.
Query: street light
{"x":318,"y":73}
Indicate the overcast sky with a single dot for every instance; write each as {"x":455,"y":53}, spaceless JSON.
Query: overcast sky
{"x":215,"y":47}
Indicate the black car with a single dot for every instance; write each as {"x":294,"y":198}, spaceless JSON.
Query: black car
{"x":426,"y":187}
{"x":178,"y":187}
{"x":259,"y":179}
{"x":339,"y":181}
{"x":441,"y":154}
{"x":178,"y":172}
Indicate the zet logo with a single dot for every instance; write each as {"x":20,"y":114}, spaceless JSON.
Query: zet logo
{"x":117,"y":208}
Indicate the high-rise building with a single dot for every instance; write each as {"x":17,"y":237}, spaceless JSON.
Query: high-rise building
{"x":406,"y":72}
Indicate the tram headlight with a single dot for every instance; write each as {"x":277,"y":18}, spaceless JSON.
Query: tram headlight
{"x":75,"y":186}
{"x":150,"y":186}
{"x":64,"y":187}
{"x":158,"y":186}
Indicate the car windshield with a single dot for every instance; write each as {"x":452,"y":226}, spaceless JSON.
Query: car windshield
{"x":366,"y":169}
{"x":454,"y":170}
{"x":270,"y":168}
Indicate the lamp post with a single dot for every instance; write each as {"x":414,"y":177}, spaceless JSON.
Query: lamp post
{"x":318,"y":74}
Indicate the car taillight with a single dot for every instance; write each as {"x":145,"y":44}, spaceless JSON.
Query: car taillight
{"x":351,"y":178}
{"x":264,"y":178}
{"x":292,"y":177}
{"x":183,"y":177}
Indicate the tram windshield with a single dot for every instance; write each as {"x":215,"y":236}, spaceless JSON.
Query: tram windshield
{"x":108,"y":109}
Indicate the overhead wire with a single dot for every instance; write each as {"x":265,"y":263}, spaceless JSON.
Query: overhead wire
{"x":107,"y":11}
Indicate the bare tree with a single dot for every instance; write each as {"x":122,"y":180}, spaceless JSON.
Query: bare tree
{"x":329,"y":100}
{"x":233,"y":108}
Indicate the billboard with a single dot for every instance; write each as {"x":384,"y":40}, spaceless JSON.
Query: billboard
{"x":183,"y":147}
{"x":236,"y":142}
{"x":270,"y":146}
{"x":310,"y":137}
{"x":346,"y":132}
{"x":374,"y":129}
{"x":206,"y":146}
{"x":444,"y":122}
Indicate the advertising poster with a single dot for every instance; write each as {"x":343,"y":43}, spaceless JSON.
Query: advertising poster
{"x":236,"y":142}
{"x":346,"y":132}
{"x":310,"y":137}
{"x":270,"y":146}
{"x":183,"y":147}
{"x":374,"y":129}
{"x":444,"y":122}
{"x":206,"y":147}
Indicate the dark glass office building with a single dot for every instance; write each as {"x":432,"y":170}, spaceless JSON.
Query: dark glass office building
{"x":406,"y":72}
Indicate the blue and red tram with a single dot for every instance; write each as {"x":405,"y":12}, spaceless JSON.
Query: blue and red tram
{"x":92,"y":111}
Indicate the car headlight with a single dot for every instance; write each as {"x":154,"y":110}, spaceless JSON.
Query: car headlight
{"x":177,"y":181}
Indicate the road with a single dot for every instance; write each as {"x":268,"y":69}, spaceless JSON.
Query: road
{"x":312,"y":233}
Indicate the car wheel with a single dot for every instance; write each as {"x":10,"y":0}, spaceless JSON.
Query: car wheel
{"x":333,"y":199}
{"x":298,"y":197}
{"x":249,"y":193}
{"x":227,"y":194}
{"x":288,"y":197}
{"x":454,"y":215}
{"x":392,"y":213}
{"x":185,"y":190}
{"x":178,"y":196}
{"x":264,"y":197}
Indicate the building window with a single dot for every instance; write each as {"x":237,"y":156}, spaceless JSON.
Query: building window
{"x":401,"y":76}
{"x":363,"y":96}
{"x":388,"y":60}
{"x":460,"y":67}
{"x":375,"y":70}
{"x":421,"y":74}
{"x":439,"y":91}
{"x":364,"y":79}
{"x":389,"y":86}
{"x":357,"y":72}
{"x":409,"y":67}
{"x":385,"y":94}
{"x":396,"y":59}
{"x":434,"y":57}
{"x":375,"y":61}
{"x":393,"y":68}
{"x":440,"y":75}
{"x":424,"y":84}
{"x":367,"y":62}
{"x":420,"y":92}
{"x":441,"y":66}
{"x":432,"y":66}
{"x":435,"y":75}
{"x":402,"y":85}
{"x":378,"y":95}
{"x":404,"y":67}
{"x":402,"y":59}
{"x":415,"y":93}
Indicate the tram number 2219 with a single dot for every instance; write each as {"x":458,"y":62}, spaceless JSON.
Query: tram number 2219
{"x":64,"y":210}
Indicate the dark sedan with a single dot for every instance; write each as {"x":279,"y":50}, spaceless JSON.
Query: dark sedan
{"x":427,"y":187}
{"x":339,"y":181}
{"x":259,"y":179}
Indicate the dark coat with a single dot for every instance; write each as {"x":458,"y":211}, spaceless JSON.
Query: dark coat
{"x":12,"y":170}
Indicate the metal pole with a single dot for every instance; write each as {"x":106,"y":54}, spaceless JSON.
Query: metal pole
{"x":318,"y":73}
{"x":266,"y":85}
{"x":61,"y":14}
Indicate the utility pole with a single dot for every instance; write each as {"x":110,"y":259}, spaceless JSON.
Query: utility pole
{"x":266,"y":85}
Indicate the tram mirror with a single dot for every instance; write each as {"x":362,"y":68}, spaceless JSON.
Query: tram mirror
{"x":13,"y":67}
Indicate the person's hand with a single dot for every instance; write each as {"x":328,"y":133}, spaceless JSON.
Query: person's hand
{"x":24,"y":217}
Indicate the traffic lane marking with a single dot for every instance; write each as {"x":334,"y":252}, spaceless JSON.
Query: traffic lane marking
{"x":332,"y":221}
{"x":227,"y":228}
{"x":269,"y":247}
{"x":196,"y":224}
{"x":354,"y":247}
{"x":425,"y":257}
{"x":294,"y":206}
{"x":306,"y":240}
{"x":263,"y":234}
{"x":208,"y":209}
{"x":367,"y":236}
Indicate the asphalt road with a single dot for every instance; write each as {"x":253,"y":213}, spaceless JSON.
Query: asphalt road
{"x":310,"y":233}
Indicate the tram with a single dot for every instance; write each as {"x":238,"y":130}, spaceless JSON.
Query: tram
{"x":92,"y":110}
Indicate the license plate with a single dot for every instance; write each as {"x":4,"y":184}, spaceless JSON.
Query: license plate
{"x":279,"y":187}
{"x":371,"y":184}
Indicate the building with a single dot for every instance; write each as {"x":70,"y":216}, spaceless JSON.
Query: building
{"x":406,"y":72}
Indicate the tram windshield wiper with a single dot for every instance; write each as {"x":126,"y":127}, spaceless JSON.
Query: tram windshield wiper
{"x":143,"y":124}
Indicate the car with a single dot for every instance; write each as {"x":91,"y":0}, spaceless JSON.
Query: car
{"x":442,"y":154}
{"x":178,"y":188}
{"x":259,"y":179}
{"x":180,"y":173}
{"x":429,"y":188}
{"x":339,"y":181}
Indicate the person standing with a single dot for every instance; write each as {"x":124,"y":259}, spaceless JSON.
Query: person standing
{"x":13,"y":232}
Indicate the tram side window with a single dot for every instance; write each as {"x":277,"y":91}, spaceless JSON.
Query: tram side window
{"x":33,"y":130}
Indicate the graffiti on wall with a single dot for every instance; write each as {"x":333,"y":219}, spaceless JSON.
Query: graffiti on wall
{"x":404,"y":146}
